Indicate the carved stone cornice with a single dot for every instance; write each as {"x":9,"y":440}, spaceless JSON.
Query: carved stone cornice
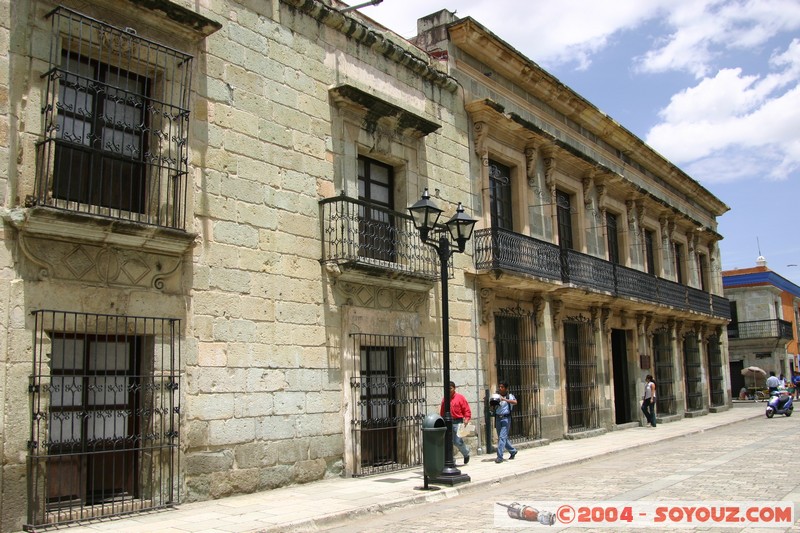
{"x":481,"y":131}
{"x":538,"y":310}
{"x":639,"y":214}
{"x":629,"y":210}
{"x":587,"y":187}
{"x":88,"y":249}
{"x":691,"y":240}
{"x":645,"y":324}
{"x":549,"y":171}
{"x":377,"y":297}
{"x":557,"y":311}
{"x":605,"y":319}
{"x":531,"y":156}
{"x":601,"y":196}
{"x":487,"y":297}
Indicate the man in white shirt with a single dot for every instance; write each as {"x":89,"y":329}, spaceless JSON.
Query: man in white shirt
{"x":773,"y":382}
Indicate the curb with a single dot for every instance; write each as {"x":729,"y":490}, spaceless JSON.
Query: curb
{"x":313,"y":524}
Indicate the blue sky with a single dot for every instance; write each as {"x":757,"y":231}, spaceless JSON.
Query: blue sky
{"x":712,"y":85}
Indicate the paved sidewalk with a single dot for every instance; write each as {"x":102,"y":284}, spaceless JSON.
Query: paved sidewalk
{"x":307,"y":507}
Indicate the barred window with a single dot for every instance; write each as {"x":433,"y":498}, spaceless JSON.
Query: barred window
{"x":388,"y":397}
{"x":105,"y":415}
{"x":116,"y":122}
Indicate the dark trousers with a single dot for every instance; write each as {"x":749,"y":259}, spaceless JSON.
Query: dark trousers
{"x":649,"y":410}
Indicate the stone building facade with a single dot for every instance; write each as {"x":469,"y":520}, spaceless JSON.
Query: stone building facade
{"x":211,"y":284}
{"x":763,"y":331}
{"x":597,"y":260}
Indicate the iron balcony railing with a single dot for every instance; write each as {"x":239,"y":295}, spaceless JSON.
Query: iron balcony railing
{"x":115,"y":110}
{"x":761,"y":329}
{"x":366,"y":236}
{"x":506,"y":250}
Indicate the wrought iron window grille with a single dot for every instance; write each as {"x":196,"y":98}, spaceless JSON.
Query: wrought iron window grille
{"x":518,"y":363}
{"x":115,"y":123}
{"x":105,"y":416}
{"x":580,"y":361}
{"x":388,"y":402}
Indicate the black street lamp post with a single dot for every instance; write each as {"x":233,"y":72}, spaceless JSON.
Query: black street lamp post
{"x":426,"y":215}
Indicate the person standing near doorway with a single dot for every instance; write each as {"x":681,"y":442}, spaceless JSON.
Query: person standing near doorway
{"x":461,"y":413}
{"x":649,"y":400}
{"x":502,"y":415}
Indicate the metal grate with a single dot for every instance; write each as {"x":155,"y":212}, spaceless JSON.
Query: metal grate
{"x":665,"y":378}
{"x":505,"y":250}
{"x":105,"y":415}
{"x":693,"y":373}
{"x":715,"y":376}
{"x":583,"y":412}
{"x":515,"y":339}
{"x":371,"y":237}
{"x":388,"y":399}
{"x":116,"y":119}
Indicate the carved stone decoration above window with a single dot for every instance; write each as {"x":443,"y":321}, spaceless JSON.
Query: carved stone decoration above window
{"x":376,"y":111}
{"x":386,"y":298}
{"x":103,"y":265}
{"x":83,"y":248}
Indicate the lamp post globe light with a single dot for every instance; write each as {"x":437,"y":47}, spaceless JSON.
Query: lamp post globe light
{"x":426,"y":215}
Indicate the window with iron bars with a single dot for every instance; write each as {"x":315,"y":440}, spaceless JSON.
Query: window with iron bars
{"x":388,"y":400}
{"x":693,"y":373}
{"x":517,"y":363}
{"x":105,"y":414}
{"x":715,"y":376}
{"x":116,"y":117}
{"x":665,"y":375}
{"x":580,"y":361}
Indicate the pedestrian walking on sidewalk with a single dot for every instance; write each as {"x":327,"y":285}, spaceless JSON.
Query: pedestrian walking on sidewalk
{"x":460,"y":411}
{"x":502,"y":421}
{"x":649,"y":400}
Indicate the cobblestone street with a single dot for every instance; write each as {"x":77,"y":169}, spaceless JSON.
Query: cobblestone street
{"x":747,"y":461}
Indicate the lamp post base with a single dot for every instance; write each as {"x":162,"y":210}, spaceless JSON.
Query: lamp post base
{"x":451,"y":478}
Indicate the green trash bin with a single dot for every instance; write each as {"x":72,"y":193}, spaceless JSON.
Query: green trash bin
{"x":433,"y":433}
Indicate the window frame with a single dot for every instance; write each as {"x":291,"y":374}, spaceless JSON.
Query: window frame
{"x":143,"y":87}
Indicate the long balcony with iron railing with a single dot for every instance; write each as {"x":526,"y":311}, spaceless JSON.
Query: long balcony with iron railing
{"x":506,"y":250}
{"x":761,"y":329}
{"x":364,"y":236}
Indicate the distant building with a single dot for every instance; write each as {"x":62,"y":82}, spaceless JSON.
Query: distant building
{"x":764,"y":320}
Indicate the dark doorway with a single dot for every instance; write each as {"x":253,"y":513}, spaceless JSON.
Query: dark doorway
{"x":378,"y":406}
{"x":619,"y":358}
{"x":737,"y":379}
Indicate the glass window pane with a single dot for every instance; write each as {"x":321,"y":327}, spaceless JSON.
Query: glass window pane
{"x":66,"y":354}
{"x":65,"y":391}
{"x":106,"y":425}
{"x":107,"y":390}
{"x":380,"y":194}
{"x":109,"y":355}
{"x":74,"y":131}
{"x":379,"y":174}
{"x":64,"y":427}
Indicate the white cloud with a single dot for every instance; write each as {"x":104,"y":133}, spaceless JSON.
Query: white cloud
{"x":738,"y":121}
{"x":702,"y":29}
{"x":550,"y":33}
{"x":733,"y":126}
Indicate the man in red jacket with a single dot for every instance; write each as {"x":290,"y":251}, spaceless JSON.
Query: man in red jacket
{"x":459,"y":410}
